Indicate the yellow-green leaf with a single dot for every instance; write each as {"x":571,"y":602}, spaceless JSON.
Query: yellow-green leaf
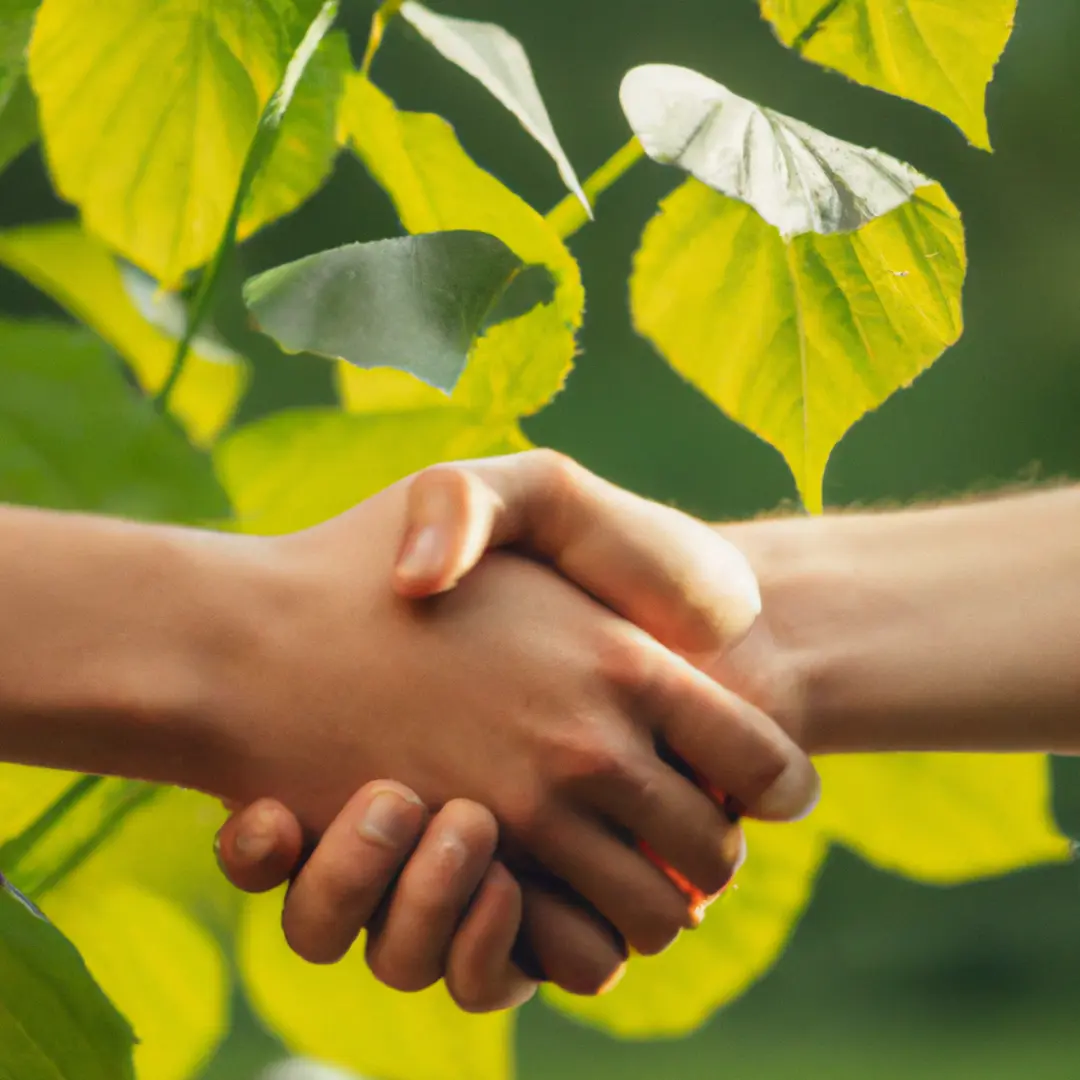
{"x":25,"y":793}
{"x":298,"y":468}
{"x":798,"y":339}
{"x":147,"y":110}
{"x":162,"y":969}
{"x":940,"y":53}
{"x":78,"y":272}
{"x":305,"y":146}
{"x":434,"y":184}
{"x":341,"y":1015}
{"x":742,"y":936}
{"x":942,"y":818}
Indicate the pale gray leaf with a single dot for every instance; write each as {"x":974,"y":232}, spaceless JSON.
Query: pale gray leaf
{"x":496,"y":59}
{"x":797,"y":178}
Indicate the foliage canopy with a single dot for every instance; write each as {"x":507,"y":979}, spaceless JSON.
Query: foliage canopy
{"x":797,"y":281}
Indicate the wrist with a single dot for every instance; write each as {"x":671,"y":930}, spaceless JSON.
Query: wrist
{"x":113,"y":636}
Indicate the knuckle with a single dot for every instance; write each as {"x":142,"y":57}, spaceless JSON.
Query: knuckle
{"x":526,"y":809}
{"x":559,"y":472}
{"x":627,"y":659}
{"x":592,"y":752}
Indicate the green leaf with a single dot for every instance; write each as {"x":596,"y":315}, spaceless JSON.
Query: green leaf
{"x":174,"y":989}
{"x":797,"y":340}
{"x":302,"y":155}
{"x":80,"y":274}
{"x":742,"y":936}
{"x":295,"y":469}
{"x":516,"y":367}
{"x":75,"y":436}
{"x":940,"y":53}
{"x":263,"y":144}
{"x":16,"y":22}
{"x":341,"y":1015}
{"x":164,"y":970}
{"x":18,"y":112}
{"x":942,"y":818}
{"x":154,"y":162}
{"x":18,"y":123}
{"x":496,"y":59}
{"x":414,"y":302}
{"x":797,"y":178}
{"x":55,"y":1022}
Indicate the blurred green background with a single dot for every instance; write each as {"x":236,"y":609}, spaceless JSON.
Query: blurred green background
{"x":884,"y":979}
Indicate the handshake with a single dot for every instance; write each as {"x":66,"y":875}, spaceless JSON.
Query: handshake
{"x":531,"y":677}
{"x":506,"y":716}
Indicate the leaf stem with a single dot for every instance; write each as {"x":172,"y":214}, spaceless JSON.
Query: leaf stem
{"x":141,"y":794}
{"x":259,"y":150}
{"x":16,"y":849}
{"x":379,"y":21}
{"x":569,"y":215}
{"x":814,"y":26}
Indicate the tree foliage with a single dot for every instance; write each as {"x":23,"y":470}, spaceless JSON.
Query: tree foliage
{"x":797,"y":281}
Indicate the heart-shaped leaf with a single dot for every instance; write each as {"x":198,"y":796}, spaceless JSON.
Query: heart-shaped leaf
{"x":413,"y":302}
{"x":55,"y":1022}
{"x":497,"y":60}
{"x":797,"y":339}
{"x":940,"y":53}
{"x":796,"y":177}
{"x":149,"y":109}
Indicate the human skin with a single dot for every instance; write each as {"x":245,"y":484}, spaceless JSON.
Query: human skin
{"x":287,"y":668}
{"x":947,"y":628}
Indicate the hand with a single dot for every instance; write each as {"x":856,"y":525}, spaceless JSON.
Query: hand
{"x":430,"y":893}
{"x":576,"y":532}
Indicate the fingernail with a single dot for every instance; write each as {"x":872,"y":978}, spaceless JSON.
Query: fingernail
{"x":390,"y":820}
{"x":733,"y":849}
{"x":255,"y":842}
{"x":794,"y":794}
{"x":616,"y":978}
{"x":423,"y":554}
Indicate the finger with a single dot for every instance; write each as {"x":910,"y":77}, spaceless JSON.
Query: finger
{"x":350,"y":870}
{"x":661,"y":569}
{"x":693,"y":840}
{"x":408,"y":947}
{"x":734,"y":747}
{"x":259,"y":846}
{"x":566,"y":942}
{"x":617,"y":879}
{"x":480,"y":974}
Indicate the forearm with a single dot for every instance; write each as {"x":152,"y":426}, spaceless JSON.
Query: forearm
{"x":111,"y":637}
{"x":954,"y":628}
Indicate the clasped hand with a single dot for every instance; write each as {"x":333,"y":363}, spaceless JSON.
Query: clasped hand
{"x":553,"y":746}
